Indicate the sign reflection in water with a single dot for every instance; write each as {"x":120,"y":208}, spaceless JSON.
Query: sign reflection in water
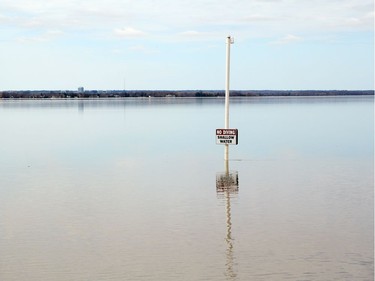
{"x":227,"y":186}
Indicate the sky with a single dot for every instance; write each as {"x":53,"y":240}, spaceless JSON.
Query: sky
{"x":180,"y":44}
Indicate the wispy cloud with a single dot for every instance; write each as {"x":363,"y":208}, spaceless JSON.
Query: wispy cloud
{"x":251,"y":15}
{"x":3,"y":18}
{"x":364,"y":20}
{"x":191,"y":33}
{"x":142,"y":49}
{"x":287,"y":39}
{"x":44,"y":37}
{"x":194,"y":20}
{"x":194,"y":34}
{"x":128,"y":32}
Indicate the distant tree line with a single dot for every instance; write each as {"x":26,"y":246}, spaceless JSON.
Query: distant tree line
{"x":162,"y":93}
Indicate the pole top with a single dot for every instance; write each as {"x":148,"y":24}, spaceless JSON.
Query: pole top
{"x":230,"y":39}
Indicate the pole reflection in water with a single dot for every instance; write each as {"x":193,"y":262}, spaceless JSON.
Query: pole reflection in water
{"x":81,"y":106}
{"x":227,"y":185}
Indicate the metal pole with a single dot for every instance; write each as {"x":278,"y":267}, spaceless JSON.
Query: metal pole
{"x":226,"y":121}
{"x":226,"y":126}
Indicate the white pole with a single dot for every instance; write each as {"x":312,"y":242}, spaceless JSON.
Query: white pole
{"x":229,"y":40}
{"x":226,"y":123}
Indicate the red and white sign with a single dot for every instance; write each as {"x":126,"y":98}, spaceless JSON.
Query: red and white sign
{"x":226,"y":136}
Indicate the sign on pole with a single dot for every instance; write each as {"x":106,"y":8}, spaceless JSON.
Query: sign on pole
{"x":226,"y":136}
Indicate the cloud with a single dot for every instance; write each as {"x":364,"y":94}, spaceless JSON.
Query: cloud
{"x":363,"y":21}
{"x":129,"y":32}
{"x":194,"y":35}
{"x":3,"y":18}
{"x":191,"y":33}
{"x":287,"y":39}
{"x":177,"y":20}
{"x":142,"y":49}
{"x":258,"y":18}
{"x":44,"y":37}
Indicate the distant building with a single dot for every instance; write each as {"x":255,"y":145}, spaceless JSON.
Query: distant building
{"x":81,"y":89}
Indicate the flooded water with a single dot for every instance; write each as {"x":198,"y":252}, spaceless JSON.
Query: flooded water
{"x":131,"y":189}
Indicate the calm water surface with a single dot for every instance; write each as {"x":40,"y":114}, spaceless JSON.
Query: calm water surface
{"x":126,"y":190}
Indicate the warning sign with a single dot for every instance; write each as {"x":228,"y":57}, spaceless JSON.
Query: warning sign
{"x":226,"y":136}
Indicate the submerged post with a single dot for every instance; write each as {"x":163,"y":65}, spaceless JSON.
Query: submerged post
{"x":227,"y":80}
{"x":229,"y":41}
{"x":226,"y":136}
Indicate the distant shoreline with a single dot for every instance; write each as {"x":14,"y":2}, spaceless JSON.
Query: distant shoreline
{"x":178,"y":93}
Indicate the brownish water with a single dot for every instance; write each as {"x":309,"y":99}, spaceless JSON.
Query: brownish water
{"x":126,"y":190}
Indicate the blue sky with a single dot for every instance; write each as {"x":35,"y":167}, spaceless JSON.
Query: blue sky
{"x":160,"y":44}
